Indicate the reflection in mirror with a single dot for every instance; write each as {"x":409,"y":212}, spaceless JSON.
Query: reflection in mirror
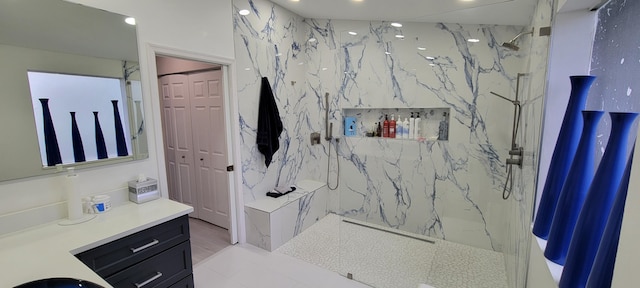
{"x":58,"y":44}
{"x":69,"y":108}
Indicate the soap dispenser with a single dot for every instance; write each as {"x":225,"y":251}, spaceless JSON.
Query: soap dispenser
{"x":412,"y":127}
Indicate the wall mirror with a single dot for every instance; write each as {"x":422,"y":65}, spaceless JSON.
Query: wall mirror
{"x":71,"y":88}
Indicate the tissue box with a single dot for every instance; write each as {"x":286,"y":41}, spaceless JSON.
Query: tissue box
{"x":145,"y":191}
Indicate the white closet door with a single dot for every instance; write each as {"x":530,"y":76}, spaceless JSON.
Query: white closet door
{"x":209,"y":136}
{"x":174,"y":91}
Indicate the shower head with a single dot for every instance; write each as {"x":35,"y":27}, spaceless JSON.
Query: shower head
{"x":512,"y":44}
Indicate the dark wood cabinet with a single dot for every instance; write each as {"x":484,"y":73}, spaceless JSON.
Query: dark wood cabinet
{"x":159,"y":256}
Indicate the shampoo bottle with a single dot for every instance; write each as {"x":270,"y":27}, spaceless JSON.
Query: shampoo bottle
{"x":392,"y":127}
{"x":412,"y":127}
{"x":405,"y":128}
{"x":416,"y":125}
{"x":399,"y":128}
{"x":385,"y":126}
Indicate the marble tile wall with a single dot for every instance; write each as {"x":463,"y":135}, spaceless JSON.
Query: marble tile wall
{"x":449,"y":190}
{"x":521,"y":202}
{"x":270,"y":43}
{"x":445,"y":189}
{"x":272,"y":222}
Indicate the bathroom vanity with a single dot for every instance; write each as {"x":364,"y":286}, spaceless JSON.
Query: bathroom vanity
{"x":118,"y":247}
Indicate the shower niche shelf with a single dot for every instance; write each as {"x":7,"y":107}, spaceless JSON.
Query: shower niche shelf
{"x":434,"y":123}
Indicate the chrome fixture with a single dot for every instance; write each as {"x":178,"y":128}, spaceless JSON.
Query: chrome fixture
{"x":328,"y":137}
{"x":512,"y":44}
{"x":516,"y":152}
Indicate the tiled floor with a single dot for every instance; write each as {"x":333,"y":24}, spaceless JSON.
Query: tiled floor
{"x":206,"y":239}
{"x":387,"y":260}
{"x":246,"y":266}
{"x":384,"y":260}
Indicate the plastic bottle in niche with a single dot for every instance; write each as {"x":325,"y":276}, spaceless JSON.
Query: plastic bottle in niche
{"x":385,"y":126}
{"x":405,"y":128}
{"x":431,"y":126}
{"x":416,"y":126}
{"x":443,"y":129}
{"x":392,"y":127}
{"x":399,"y":128}
{"x":379,"y":130}
{"x":412,"y":127}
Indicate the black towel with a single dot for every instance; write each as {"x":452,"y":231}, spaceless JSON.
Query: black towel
{"x":269,"y":123}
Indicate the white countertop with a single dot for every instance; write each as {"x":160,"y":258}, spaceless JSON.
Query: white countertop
{"x":48,"y":250}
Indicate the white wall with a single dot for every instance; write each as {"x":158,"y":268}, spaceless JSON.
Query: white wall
{"x":571,"y":45}
{"x":201,"y":26}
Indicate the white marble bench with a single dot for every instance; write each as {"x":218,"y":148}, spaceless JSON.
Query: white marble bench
{"x":272,"y":222}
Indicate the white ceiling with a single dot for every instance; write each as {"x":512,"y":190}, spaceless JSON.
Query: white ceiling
{"x":501,"y":12}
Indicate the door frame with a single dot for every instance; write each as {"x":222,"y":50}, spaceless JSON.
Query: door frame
{"x":236,"y":203}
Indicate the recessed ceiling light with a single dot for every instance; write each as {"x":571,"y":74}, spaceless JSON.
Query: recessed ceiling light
{"x":396,"y":24}
{"x":312,"y":40}
{"x":387,"y":52}
{"x":295,"y":0}
{"x":244,"y":12}
{"x":399,"y":36}
{"x":422,"y":48}
{"x":352,"y":33}
{"x":430,"y":58}
{"x":432,"y":64}
{"x":130,"y":20}
{"x":247,"y":69}
{"x":473,"y":40}
{"x":324,"y":68}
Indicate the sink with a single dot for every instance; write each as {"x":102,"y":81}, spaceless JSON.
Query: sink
{"x":59,"y":283}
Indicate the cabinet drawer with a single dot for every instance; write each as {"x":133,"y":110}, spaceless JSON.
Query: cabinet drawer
{"x":187,"y":282}
{"x":162,"y":270}
{"x":122,"y":253}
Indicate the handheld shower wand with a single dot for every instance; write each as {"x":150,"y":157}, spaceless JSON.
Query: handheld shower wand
{"x":327,"y":126}
{"x":329,"y":136}
{"x":516,"y":150}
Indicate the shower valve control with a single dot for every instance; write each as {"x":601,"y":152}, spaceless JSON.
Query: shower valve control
{"x":516,"y":152}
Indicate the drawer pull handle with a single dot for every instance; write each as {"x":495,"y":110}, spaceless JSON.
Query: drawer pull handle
{"x":158,"y":275}
{"x":136,"y":250}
